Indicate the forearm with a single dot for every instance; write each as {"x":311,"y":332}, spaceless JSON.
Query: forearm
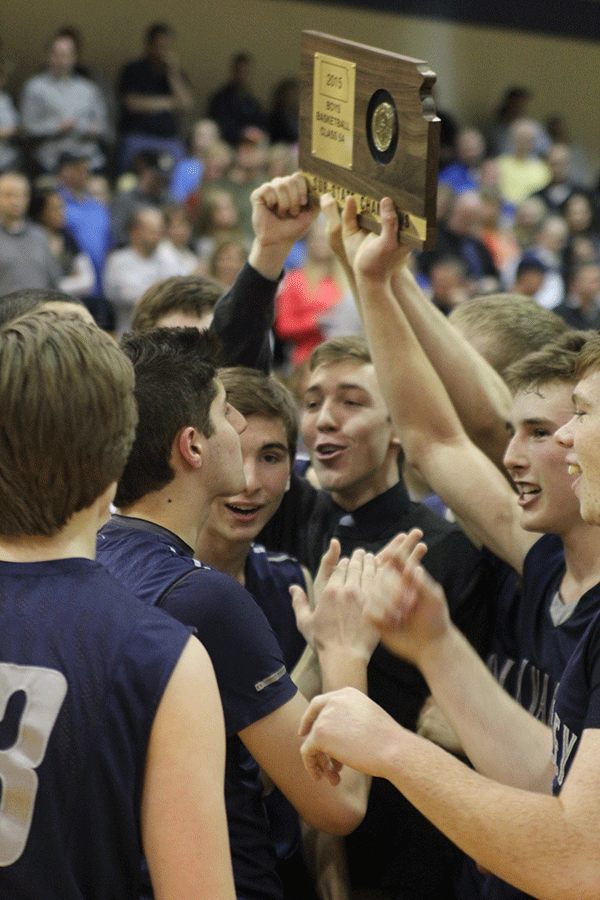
{"x":500,"y":738}
{"x":525,"y":838}
{"x":149,"y":103}
{"x":182,"y":95}
{"x":243,"y":318}
{"x":478,"y":393}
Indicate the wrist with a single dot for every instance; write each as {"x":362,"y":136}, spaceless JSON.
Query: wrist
{"x":268,"y":259}
{"x":439,"y":654}
{"x":343,"y":666}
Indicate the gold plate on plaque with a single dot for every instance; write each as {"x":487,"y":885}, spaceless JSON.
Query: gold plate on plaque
{"x":333,"y":109}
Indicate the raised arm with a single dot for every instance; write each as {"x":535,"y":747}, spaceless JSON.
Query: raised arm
{"x":479,"y":395}
{"x":244,"y":315}
{"x":184,"y":828}
{"x":430,"y":430}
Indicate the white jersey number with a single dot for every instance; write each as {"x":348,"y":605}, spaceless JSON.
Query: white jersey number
{"x":44,"y":691}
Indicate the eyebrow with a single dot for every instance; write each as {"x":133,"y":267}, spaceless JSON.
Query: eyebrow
{"x":344,"y":386}
{"x":275,"y":445}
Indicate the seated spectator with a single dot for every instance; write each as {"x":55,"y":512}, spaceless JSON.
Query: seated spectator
{"x":307,"y":295}
{"x":528,"y":217}
{"x":217,"y":219}
{"x":282,"y":122}
{"x":99,"y":187}
{"x":529,"y":275}
{"x":187,"y":174}
{"x":561,"y":184}
{"x":78,"y":278}
{"x":64,"y":112}
{"x":513,"y":106}
{"x":151,"y":171}
{"x":10,"y":155}
{"x":175,"y":246}
{"x":25,"y":257}
{"x":153,"y":91}
{"x":246,"y":173}
{"x":227,"y":260}
{"x":134,"y":268}
{"x":581,"y":306}
{"x":583,"y":243}
{"x":463,"y":174}
{"x":496,"y":234}
{"x":520,"y":171}
{"x":458,"y":236}
{"x":233,"y":107}
{"x":548,"y":249}
{"x":449,"y":283}
{"x":89,"y":223}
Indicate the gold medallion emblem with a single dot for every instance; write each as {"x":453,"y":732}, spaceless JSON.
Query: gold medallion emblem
{"x":383,"y":126}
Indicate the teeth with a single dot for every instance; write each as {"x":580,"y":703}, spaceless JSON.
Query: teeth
{"x":242,"y":510}
{"x":573,"y":470}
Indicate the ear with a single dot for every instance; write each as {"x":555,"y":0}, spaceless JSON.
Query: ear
{"x":189,"y":445}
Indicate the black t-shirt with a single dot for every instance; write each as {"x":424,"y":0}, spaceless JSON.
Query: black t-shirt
{"x":395,"y":849}
{"x":140,"y":77}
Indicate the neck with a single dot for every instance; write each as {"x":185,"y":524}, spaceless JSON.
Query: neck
{"x":76,"y":540}
{"x":174,"y":509}
{"x":582,"y":560}
{"x":226,"y":556}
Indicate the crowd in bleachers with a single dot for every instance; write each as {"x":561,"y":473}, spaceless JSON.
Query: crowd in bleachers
{"x":518,"y":203}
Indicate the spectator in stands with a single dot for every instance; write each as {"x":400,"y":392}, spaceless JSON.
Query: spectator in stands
{"x":25,"y":257}
{"x":89,"y":223}
{"x":246,"y":173}
{"x":227,"y":260}
{"x":308,"y":294}
{"x":561,"y":185}
{"x":175,"y":246}
{"x":463,"y":174}
{"x":283,"y":121}
{"x":520,"y":171}
{"x":151,"y":170}
{"x":137,"y":266}
{"x":78,"y":278}
{"x":233,"y":107}
{"x":458,"y":236}
{"x":513,"y":106}
{"x":10,"y":155}
{"x":64,"y":112}
{"x":581,"y":306}
{"x":153,"y":92}
{"x":548,"y":249}
{"x":186,"y":177}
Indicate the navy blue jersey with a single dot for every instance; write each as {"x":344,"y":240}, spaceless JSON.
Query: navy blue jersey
{"x":577,"y":704}
{"x":252,"y":677}
{"x":83,"y":667}
{"x":531,"y":653}
{"x":530,"y":650}
{"x":268,"y":577}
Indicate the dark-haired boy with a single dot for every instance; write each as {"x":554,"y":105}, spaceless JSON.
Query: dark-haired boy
{"x":186,"y":454}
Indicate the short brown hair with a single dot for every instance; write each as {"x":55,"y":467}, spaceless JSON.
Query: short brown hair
{"x":589,"y":359}
{"x":190,"y":294}
{"x":175,"y":371}
{"x":557,"y":361}
{"x":511,"y":325}
{"x":339,"y":349}
{"x":253,"y":393}
{"x":68,"y":419}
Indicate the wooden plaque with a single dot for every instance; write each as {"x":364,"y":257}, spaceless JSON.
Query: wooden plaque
{"x":368,"y":127}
